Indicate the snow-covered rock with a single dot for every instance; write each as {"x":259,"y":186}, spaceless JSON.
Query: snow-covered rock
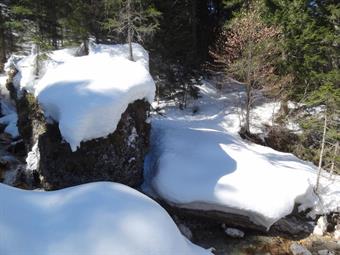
{"x":321,"y":226}
{"x":92,"y":219}
{"x":88,"y":114}
{"x":298,"y":249}
{"x":87,"y":95}
{"x":199,"y":162}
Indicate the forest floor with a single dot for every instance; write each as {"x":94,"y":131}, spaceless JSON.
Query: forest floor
{"x":259,"y":244}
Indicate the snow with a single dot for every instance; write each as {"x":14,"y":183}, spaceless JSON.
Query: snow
{"x":321,"y":226}
{"x":200,"y":162}
{"x":91,"y":219}
{"x":10,"y":116}
{"x":87,"y":95}
{"x":33,"y":158}
{"x":233,"y":232}
{"x":10,"y":120}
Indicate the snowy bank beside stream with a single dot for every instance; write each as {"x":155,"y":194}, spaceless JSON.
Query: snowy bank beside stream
{"x":200,"y":162}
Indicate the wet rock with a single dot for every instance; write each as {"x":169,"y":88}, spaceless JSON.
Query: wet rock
{"x":298,"y":249}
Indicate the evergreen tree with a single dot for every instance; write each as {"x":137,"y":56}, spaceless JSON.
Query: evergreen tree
{"x":136,"y":19}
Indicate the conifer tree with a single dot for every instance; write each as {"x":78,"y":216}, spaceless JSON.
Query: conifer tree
{"x":136,"y":19}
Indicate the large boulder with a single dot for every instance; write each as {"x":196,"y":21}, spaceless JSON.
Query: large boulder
{"x":119,"y":157}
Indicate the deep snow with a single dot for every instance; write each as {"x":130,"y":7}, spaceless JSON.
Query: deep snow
{"x":199,"y":161}
{"x":91,"y":219}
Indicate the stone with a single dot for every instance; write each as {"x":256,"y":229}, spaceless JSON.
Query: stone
{"x":233,"y":232}
{"x":185,"y":231}
{"x":337,"y":232}
{"x":321,"y":226}
{"x":325,"y":252}
{"x":298,"y":249}
{"x":119,"y":157}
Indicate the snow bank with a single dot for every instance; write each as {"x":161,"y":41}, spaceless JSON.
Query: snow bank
{"x":200,"y":162}
{"x":87,"y":95}
{"x":97,"y":218}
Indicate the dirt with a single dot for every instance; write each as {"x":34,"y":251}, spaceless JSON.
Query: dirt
{"x":259,"y":244}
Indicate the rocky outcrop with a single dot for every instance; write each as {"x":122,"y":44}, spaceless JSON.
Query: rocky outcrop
{"x":119,"y":157}
{"x":293,"y":226}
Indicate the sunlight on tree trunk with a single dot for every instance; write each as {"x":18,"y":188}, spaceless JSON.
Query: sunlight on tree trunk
{"x":321,"y":154}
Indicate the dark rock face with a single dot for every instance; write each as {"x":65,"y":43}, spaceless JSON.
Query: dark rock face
{"x":118,"y":157}
{"x":292,"y":226}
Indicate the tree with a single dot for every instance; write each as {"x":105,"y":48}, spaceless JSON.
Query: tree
{"x":311,"y":41}
{"x":2,"y":38}
{"x":328,"y":97}
{"x":248,"y":50}
{"x":136,"y":19}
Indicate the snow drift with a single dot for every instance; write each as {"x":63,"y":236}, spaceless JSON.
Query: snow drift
{"x":97,"y":218}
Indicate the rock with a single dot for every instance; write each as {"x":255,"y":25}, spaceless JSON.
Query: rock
{"x":337,"y":232}
{"x":119,"y":157}
{"x":290,"y":226}
{"x":233,"y":232}
{"x":325,"y":252}
{"x":5,"y":138}
{"x":321,"y":226}
{"x":185,"y":231}
{"x":298,"y":249}
{"x":17,"y":148}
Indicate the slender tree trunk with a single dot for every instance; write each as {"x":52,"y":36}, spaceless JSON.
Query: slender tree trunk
{"x":333,"y":159}
{"x":321,"y":154}
{"x":86,"y":46}
{"x":37,"y":61}
{"x":128,"y":7}
{"x":194,"y":28}
{"x":248,"y":88}
{"x":2,"y":42}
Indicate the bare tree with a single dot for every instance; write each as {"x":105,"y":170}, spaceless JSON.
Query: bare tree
{"x":247,"y":50}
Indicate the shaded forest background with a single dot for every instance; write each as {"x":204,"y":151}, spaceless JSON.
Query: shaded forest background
{"x":286,"y":49}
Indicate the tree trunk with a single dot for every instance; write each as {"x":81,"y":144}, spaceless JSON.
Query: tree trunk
{"x":249,"y":87}
{"x":128,"y":7}
{"x":321,"y":153}
{"x":194,"y":28}
{"x":333,"y":159}
{"x":86,"y":46}
{"x":2,"y":42}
